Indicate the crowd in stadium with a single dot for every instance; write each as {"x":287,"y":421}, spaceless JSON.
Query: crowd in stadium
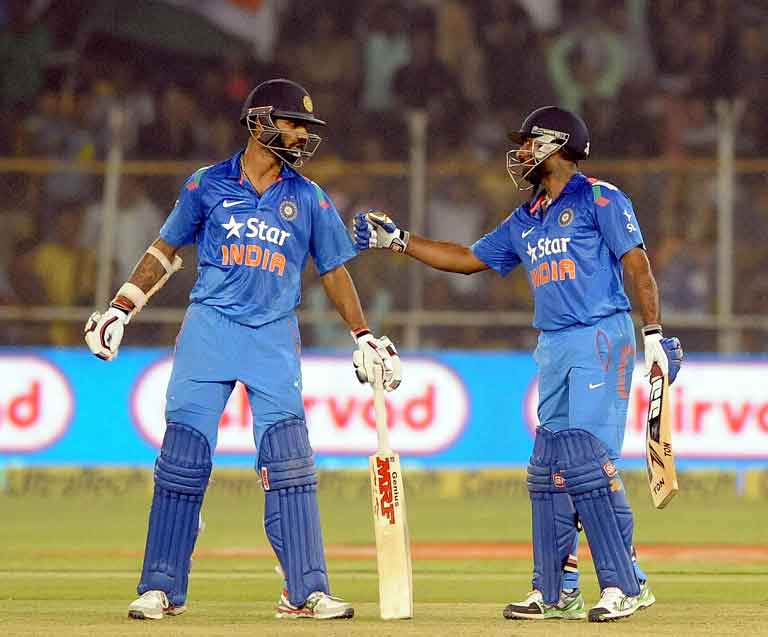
{"x":645,"y":75}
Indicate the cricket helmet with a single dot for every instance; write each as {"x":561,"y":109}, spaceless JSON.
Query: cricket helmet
{"x":281,"y":99}
{"x":552,"y":129}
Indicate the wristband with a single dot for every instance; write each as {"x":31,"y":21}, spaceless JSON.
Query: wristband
{"x":360,"y":332}
{"x":650,"y":330}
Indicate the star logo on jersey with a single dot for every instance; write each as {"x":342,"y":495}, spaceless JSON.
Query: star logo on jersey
{"x":531,"y":252}
{"x":233,"y":227}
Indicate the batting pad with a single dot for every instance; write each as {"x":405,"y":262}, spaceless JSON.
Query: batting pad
{"x":553,"y":519}
{"x":291,"y":515}
{"x":594,"y":484}
{"x":181,"y":478}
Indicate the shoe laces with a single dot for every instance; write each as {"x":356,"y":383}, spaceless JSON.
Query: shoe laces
{"x":533,"y":597}
{"x":611,"y":596}
{"x":157,"y":594}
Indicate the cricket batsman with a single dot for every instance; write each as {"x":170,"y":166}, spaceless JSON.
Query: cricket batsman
{"x":579,"y":240}
{"x":254,"y":220}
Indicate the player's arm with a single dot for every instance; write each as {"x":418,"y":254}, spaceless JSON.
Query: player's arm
{"x":641,"y":285}
{"x":157,"y":262}
{"x":376,"y":229}
{"x":341,"y":291}
{"x":370,"y":351}
{"x":104,"y":331}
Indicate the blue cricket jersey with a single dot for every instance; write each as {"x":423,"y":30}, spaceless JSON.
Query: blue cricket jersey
{"x":252,"y":249}
{"x":572,"y":252}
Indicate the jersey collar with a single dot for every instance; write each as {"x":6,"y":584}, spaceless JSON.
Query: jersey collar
{"x":233,"y":168}
{"x":574,"y":183}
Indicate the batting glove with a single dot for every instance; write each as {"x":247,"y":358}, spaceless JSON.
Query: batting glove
{"x":667,"y":353}
{"x":374,"y":229}
{"x":103,"y":332}
{"x":372,"y":351}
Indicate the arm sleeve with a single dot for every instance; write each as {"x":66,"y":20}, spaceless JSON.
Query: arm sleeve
{"x":617,"y":221}
{"x":182,"y":224}
{"x":330,"y":244}
{"x":495,"y":249}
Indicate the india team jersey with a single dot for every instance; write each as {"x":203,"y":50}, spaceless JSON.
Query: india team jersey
{"x":252,"y":249}
{"x":571,"y":252}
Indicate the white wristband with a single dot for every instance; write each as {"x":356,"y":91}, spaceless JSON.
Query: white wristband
{"x":134,"y":294}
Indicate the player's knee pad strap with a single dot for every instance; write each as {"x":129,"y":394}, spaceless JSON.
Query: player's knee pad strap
{"x":291,"y":515}
{"x":285,"y":456}
{"x":553,"y":518}
{"x":597,"y":491}
{"x":181,"y":478}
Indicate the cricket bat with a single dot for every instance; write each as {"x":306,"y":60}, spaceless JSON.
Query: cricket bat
{"x":393,"y":544}
{"x":660,"y":460}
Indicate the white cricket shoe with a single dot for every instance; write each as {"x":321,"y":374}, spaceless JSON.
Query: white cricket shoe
{"x":613,"y":604}
{"x":153,"y":605}
{"x":318,"y":605}
{"x":569,"y":606}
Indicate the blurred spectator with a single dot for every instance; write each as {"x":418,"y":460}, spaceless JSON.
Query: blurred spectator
{"x":25,"y":43}
{"x":587,"y":61}
{"x":64,"y":269}
{"x":177,"y":131}
{"x":60,"y":131}
{"x":137,"y":225}
{"x":459,"y":48}
{"x":126,"y":91}
{"x":685,"y":272}
{"x":455,"y":213}
{"x":386,"y":48}
{"x":330,"y":69}
{"x":510,"y":42}
{"x":428,"y":84}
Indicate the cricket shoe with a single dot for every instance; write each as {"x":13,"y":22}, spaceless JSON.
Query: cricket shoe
{"x":569,"y":606}
{"x":614,"y":604}
{"x":646,"y":597}
{"x":318,"y":605}
{"x":153,"y":605}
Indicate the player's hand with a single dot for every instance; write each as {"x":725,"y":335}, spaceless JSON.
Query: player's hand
{"x":667,"y":353}
{"x":374,"y":229}
{"x":103,"y":332}
{"x":674,"y":351}
{"x":372,"y":351}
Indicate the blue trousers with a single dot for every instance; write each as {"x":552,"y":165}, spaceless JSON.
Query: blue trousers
{"x":212,"y":353}
{"x":585,"y":376}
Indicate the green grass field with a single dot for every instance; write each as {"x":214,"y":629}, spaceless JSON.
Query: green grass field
{"x":70,"y":555}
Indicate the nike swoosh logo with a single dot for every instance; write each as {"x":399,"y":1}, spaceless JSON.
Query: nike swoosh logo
{"x":595,"y":386}
{"x":229,"y":204}
{"x":527,"y":232}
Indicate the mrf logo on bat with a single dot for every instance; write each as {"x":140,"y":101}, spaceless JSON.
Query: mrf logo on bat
{"x":388,"y":488}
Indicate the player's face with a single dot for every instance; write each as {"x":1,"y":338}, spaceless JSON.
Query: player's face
{"x":294,"y":134}
{"x":525,"y":152}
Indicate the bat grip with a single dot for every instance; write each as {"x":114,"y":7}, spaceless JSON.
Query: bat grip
{"x":380,"y":408}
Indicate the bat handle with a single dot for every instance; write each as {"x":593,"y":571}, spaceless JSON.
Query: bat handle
{"x":380,"y":408}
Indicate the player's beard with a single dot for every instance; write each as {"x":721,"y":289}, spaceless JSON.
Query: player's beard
{"x":535,"y":176}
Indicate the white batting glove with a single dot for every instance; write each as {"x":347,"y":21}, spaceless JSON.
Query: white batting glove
{"x":103,"y":332}
{"x":654,"y":350}
{"x":374,"y":229}
{"x":372,"y":351}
